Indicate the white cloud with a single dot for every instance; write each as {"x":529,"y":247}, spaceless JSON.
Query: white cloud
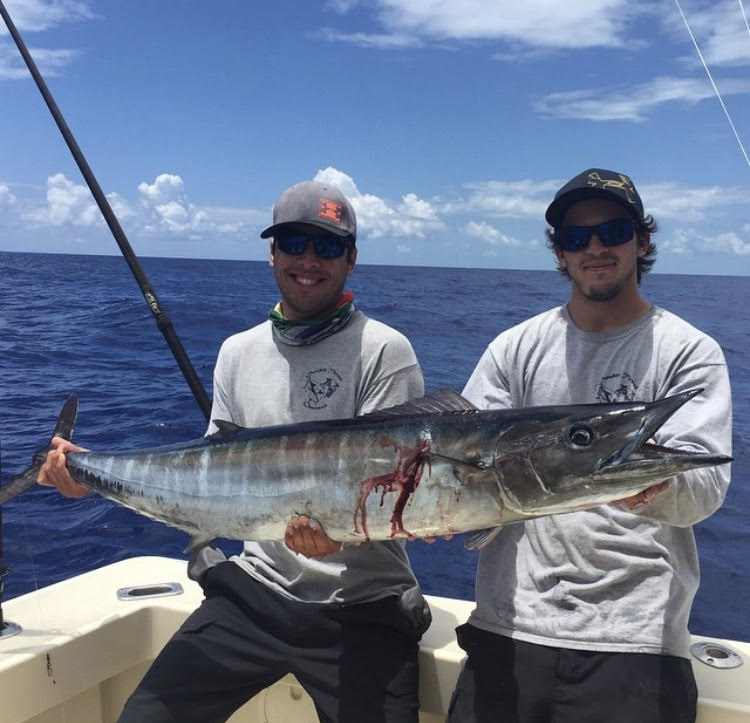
{"x":51,"y":63}
{"x":166,"y":188}
{"x":719,"y":29}
{"x":37,"y":15}
{"x":31,"y":16}
{"x":7,"y":199}
{"x":168,"y":209}
{"x":378,"y":218}
{"x":731,"y":243}
{"x":379,"y":41}
{"x":692,"y":204}
{"x":518,"y":199}
{"x":633,"y":103}
{"x":163,"y":210}
{"x":66,"y":204}
{"x":688,"y":242}
{"x":530,"y":23}
{"x":488,"y":234}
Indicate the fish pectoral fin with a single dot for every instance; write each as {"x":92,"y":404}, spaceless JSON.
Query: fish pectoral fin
{"x":444,"y":400}
{"x":481,"y":538}
{"x":474,"y":464}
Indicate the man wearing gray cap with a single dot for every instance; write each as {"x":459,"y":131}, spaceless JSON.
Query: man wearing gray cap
{"x":582,"y":617}
{"x":346,"y":621}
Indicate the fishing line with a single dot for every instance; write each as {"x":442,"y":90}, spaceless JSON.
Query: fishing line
{"x":710,"y":78}
{"x":742,"y":10}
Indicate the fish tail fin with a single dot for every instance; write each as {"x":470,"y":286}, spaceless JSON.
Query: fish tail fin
{"x":63,"y":428}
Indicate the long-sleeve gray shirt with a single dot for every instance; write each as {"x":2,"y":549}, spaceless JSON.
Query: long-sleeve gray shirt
{"x":606,"y":579}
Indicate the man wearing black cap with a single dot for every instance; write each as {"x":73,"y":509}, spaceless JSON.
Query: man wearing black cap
{"x":582,"y":617}
{"x":346,"y":621}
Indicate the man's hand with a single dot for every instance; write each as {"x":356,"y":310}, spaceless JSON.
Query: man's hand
{"x":644,"y":496}
{"x":54,"y":472}
{"x":307,"y":537}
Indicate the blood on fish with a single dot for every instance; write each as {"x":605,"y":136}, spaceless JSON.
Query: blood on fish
{"x":405,"y":478}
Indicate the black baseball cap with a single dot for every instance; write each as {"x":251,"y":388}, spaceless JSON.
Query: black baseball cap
{"x":595,"y":183}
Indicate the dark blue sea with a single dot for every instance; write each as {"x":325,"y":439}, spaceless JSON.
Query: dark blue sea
{"x":79,"y":324}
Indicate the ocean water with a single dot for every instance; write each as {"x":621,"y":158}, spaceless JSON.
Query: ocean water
{"x":79,"y":324}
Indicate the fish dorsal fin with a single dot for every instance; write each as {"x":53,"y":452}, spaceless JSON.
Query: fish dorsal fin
{"x":443,"y":400}
{"x":224,"y":428}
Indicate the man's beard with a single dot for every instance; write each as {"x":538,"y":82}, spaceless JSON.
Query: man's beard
{"x":602,"y":294}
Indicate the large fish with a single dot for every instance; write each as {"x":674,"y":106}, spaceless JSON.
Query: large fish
{"x":433,"y":466}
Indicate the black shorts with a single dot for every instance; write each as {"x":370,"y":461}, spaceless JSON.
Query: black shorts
{"x":357,"y":662}
{"x":509,"y":681}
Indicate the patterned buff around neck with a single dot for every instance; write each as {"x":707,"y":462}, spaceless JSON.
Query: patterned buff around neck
{"x":312,"y":330}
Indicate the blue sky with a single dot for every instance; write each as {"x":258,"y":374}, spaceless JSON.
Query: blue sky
{"x":448,"y":124}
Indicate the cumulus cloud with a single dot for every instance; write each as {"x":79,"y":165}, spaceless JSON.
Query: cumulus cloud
{"x":67,"y":203}
{"x":488,"y":234}
{"x":378,"y":218}
{"x":163,"y":209}
{"x":168,"y":208}
{"x":632,"y":103}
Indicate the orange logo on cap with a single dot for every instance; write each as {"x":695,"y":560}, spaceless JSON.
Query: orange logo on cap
{"x":330,"y":210}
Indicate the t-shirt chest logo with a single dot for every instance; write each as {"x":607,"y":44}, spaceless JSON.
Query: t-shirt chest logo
{"x":320,"y":386}
{"x":616,"y":388}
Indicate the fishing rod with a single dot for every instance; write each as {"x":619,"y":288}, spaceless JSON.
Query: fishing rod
{"x":163,"y":322}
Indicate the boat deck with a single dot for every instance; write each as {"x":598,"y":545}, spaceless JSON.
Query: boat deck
{"x":82,"y":650}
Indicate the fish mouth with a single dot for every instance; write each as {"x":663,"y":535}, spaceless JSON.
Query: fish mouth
{"x":641,"y":457}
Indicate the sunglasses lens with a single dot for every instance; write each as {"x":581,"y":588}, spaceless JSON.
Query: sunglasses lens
{"x":330,"y":247}
{"x":573,"y":238}
{"x":614,"y":233}
{"x":293,"y":245}
{"x":326,"y":247}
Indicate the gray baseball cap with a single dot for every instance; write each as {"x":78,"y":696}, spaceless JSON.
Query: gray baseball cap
{"x":313,"y":204}
{"x":595,"y":183}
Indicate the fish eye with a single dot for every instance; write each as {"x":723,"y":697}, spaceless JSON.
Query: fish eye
{"x":581,"y":435}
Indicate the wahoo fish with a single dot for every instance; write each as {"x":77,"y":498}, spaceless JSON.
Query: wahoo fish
{"x":433,"y":466}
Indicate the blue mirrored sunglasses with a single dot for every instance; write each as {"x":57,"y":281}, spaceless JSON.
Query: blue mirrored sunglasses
{"x":610,"y":233}
{"x":327,"y":246}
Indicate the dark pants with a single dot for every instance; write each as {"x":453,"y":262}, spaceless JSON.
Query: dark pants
{"x":357,"y":662}
{"x":508,"y":681}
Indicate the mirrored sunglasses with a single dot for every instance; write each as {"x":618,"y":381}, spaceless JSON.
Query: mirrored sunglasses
{"x":610,"y":233}
{"x":327,"y":246}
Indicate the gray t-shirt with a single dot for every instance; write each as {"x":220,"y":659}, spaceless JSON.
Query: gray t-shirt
{"x":605,"y":579}
{"x":260,"y":380}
